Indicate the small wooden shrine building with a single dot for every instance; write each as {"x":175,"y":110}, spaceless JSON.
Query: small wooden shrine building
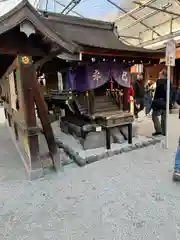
{"x":33,"y":43}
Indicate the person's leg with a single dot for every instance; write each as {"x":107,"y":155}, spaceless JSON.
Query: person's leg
{"x":148,"y":108}
{"x":157,"y":125}
{"x":141,"y":103}
{"x":136,"y":109}
{"x":145,"y":105}
{"x":163,"y":121}
{"x":129,"y":106}
{"x":176,"y":174}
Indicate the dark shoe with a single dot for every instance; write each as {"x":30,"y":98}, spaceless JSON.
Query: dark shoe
{"x":157,"y":134}
{"x":176,"y":175}
{"x":136,"y":116}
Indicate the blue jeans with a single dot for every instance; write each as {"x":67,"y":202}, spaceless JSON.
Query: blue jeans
{"x":177,"y":159}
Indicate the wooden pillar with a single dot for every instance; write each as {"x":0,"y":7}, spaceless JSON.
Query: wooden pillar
{"x":32,"y":95}
{"x":26,"y":75}
{"x":125,"y":99}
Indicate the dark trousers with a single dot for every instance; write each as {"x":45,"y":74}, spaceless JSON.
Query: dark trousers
{"x":138,"y":106}
{"x":160,"y":127}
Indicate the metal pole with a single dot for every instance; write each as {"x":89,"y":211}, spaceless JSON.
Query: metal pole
{"x":134,"y":10}
{"x":144,"y":18}
{"x":159,"y":9}
{"x":63,"y":5}
{"x":131,"y":37}
{"x":69,"y":4}
{"x":167,"y":103}
{"x":130,"y":15}
{"x":46,"y":5}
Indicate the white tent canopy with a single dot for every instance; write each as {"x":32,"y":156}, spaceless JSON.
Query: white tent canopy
{"x":151,"y":26}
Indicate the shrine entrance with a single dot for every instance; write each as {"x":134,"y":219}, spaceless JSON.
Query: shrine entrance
{"x":39,"y":75}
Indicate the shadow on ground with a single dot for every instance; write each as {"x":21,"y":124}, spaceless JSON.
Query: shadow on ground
{"x":11,"y":166}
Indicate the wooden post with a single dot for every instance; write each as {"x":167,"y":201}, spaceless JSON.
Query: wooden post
{"x":92,"y":101}
{"x":32,"y":95}
{"x":26,"y":75}
{"x":108,"y":138}
{"x":130,"y":133}
{"x":125,"y":99}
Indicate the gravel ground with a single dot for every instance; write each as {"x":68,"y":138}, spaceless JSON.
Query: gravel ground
{"x":129,"y":196}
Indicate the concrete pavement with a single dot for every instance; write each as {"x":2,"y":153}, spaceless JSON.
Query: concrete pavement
{"x":129,"y":196}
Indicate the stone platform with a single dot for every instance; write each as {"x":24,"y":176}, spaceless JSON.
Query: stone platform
{"x":75,"y":151}
{"x":89,"y":137}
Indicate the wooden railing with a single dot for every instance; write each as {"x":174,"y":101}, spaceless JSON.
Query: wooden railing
{"x":117,"y":96}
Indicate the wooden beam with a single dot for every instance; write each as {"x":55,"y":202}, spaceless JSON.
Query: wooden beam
{"x":43,"y":115}
{"x":43,"y":60}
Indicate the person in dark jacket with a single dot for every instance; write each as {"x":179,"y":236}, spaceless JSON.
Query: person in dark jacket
{"x":159,"y":104}
{"x":138,"y":95}
{"x":148,"y":96}
{"x":173,"y":96}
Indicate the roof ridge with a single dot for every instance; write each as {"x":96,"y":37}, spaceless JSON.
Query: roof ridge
{"x":12,"y":11}
{"x":75,"y":20}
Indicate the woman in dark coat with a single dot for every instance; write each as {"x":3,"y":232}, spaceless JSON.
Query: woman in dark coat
{"x":138,"y":95}
{"x":148,"y":96}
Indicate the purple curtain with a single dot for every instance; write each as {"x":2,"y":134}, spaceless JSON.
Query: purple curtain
{"x":97,"y":74}
{"x":121,"y":74}
{"x":77,"y":79}
{"x":70,"y":79}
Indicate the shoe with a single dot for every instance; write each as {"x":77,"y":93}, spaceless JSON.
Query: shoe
{"x":157,"y":134}
{"x":176,"y":175}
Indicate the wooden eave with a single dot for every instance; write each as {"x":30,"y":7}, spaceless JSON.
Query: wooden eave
{"x":25,"y":12}
{"x":86,"y":50}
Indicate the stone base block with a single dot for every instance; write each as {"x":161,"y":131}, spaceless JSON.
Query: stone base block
{"x":90,"y":139}
{"x":83,"y":157}
{"x":117,"y":135}
{"x":95,"y":140}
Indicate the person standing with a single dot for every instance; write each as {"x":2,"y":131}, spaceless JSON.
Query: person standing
{"x":148,"y":96}
{"x":159,"y":104}
{"x":173,"y":98}
{"x":130,"y":95}
{"x":138,"y":95}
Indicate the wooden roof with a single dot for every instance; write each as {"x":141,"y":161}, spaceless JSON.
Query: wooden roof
{"x":89,"y":32}
{"x":73,"y":34}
